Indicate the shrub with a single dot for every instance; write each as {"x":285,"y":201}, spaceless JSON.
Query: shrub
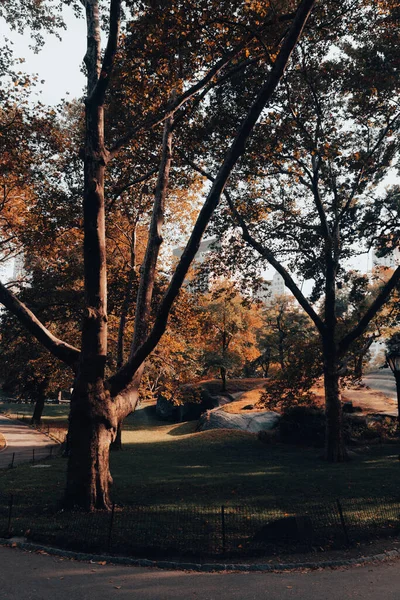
{"x":303,"y":425}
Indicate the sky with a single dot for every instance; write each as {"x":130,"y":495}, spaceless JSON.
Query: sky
{"x":58,"y":63}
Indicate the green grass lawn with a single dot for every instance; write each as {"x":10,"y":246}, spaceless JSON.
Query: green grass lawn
{"x":51,"y":412}
{"x":181,"y":478}
{"x":170,"y":464}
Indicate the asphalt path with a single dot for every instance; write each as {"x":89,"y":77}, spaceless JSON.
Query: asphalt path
{"x":382,"y":381}
{"x":21,"y":441}
{"x":32,"y":576}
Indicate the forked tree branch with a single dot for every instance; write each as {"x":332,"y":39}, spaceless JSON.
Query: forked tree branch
{"x":375,"y":307}
{"x":97,"y":94}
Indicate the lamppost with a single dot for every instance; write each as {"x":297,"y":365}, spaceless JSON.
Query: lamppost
{"x":393,"y":359}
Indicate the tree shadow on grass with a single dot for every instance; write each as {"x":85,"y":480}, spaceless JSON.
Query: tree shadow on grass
{"x":184,"y":428}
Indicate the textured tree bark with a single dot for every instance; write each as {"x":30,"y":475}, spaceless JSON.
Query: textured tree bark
{"x":335,"y":450}
{"x":93,"y":420}
{"x":92,"y":427}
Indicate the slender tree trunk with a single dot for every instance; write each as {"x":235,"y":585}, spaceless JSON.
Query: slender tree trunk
{"x":281,"y":351}
{"x":265,"y":363}
{"x":334,"y":443}
{"x":358,"y":367}
{"x":223,"y":378}
{"x":116,"y":445}
{"x":359,"y":360}
{"x":38,"y":410}
{"x":126,"y":304}
{"x":148,"y":268}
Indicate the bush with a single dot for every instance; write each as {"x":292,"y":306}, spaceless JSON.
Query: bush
{"x":303,"y":425}
{"x":364,"y":429}
{"x":267,"y":436}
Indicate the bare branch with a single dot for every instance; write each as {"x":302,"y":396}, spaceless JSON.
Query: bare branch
{"x":126,"y":187}
{"x":58,"y":348}
{"x":148,"y":268}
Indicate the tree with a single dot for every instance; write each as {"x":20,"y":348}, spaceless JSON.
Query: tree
{"x":356,"y":296}
{"x":312,"y":195}
{"x":229,"y":332}
{"x":99,"y":402}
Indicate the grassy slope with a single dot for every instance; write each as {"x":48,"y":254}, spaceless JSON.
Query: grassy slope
{"x":170,"y":464}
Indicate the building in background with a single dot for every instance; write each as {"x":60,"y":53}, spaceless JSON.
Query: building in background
{"x":270,"y":290}
{"x":200,"y":283}
{"x":18,"y":267}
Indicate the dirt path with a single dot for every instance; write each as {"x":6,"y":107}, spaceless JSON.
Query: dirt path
{"x":23,"y":443}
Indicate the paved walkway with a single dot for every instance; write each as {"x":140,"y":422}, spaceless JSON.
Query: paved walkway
{"x":383,"y":381}
{"x":38,"y":577}
{"x":21,"y":442}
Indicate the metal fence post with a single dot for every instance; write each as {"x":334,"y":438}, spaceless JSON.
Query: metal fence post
{"x":346,"y":535}
{"x":10,"y":507}
{"x":33,"y":456}
{"x":109,"y":540}
{"x":12,"y":460}
{"x":223,"y":529}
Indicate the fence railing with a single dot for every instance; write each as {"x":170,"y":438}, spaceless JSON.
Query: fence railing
{"x":195,"y":531}
{"x":9,"y":460}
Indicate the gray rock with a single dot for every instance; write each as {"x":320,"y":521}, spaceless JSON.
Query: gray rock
{"x":255,"y":422}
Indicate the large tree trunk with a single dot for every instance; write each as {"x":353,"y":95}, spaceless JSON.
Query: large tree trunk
{"x":92,"y":420}
{"x":335,"y":450}
{"x":92,"y":427}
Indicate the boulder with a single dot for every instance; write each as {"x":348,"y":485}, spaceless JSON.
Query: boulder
{"x":219,"y":419}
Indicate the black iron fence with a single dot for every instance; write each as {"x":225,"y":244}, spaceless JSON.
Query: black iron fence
{"x":35,"y":456}
{"x":194,"y":531}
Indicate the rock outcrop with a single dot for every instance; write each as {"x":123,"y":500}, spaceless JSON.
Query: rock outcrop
{"x":255,"y":422}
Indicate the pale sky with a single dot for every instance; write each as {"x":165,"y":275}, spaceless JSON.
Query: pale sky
{"x":58,"y":63}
